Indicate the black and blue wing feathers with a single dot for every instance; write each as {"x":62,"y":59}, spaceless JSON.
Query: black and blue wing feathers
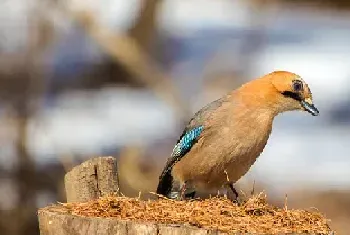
{"x":184,"y":145}
{"x":186,"y":142}
{"x":189,"y":137}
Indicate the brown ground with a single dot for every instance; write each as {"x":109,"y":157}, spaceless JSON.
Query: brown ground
{"x":255,"y":215}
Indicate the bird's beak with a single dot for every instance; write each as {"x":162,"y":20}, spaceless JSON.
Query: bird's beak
{"x":310,"y":107}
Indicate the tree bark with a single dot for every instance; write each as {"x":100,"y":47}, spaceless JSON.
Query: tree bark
{"x":92,"y":179}
{"x":53,"y":222}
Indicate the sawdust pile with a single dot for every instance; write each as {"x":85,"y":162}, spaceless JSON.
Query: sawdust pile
{"x":255,"y":215}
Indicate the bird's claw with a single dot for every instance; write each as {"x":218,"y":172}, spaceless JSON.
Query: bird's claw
{"x":177,"y":196}
{"x":238,"y":201}
{"x":174,"y":195}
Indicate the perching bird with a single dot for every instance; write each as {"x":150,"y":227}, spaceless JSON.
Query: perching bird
{"x":223,"y":139}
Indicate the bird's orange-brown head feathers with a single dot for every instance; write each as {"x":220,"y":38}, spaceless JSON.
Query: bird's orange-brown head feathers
{"x":280,"y":91}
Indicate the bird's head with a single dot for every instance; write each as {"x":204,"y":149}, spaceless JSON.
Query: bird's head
{"x":292,"y":92}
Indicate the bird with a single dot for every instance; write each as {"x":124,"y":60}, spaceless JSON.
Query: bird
{"x":224,"y":138}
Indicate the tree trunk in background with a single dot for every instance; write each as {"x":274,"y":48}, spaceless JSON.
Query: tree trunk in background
{"x":25,"y":102}
{"x":143,"y":31}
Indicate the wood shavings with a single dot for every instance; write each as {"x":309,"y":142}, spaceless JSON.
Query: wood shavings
{"x":255,"y":215}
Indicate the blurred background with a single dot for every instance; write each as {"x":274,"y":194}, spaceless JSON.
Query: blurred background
{"x":80,"y":79}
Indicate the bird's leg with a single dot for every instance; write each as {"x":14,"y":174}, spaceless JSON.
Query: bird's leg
{"x":176,"y":192}
{"x":234,"y":191}
{"x":184,"y":195}
{"x":182,"y":191}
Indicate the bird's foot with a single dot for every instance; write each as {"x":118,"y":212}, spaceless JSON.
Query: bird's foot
{"x":174,"y":195}
{"x":177,"y":195}
{"x":238,"y":201}
{"x":181,"y":193}
{"x":234,"y":191}
{"x":190,"y":195}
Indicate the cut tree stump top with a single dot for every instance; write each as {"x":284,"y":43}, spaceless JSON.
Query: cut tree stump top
{"x":58,"y":223}
{"x":92,"y":179}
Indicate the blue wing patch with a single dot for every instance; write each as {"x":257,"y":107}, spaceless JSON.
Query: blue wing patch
{"x":182,"y":147}
{"x":187,"y":141}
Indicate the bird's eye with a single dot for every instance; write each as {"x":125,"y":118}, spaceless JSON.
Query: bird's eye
{"x":297,"y":85}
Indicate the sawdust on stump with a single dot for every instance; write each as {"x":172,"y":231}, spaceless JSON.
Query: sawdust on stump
{"x":255,"y":215}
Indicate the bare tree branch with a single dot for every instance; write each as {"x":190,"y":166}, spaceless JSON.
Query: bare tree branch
{"x":126,"y":51}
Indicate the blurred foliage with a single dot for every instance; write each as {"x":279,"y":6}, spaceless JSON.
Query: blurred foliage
{"x":336,"y":4}
{"x":130,"y":61}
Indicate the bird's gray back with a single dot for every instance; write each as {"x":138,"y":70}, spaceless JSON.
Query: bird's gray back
{"x":203,"y":114}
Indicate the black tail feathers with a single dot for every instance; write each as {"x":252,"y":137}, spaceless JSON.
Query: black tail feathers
{"x":165,"y":184}
{"x":167,"y":189}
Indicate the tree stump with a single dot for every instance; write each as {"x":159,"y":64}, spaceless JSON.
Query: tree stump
{"x":56,"y":223}
{"x":92,"y":179}
{"x":95,"y":178}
